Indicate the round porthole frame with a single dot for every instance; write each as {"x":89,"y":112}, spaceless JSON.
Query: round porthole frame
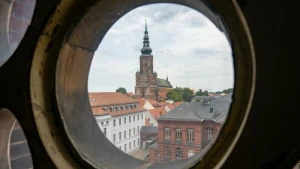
{"x":60,"y":70}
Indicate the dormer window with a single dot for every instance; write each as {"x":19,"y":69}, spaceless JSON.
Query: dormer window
{"x":211,"y":110}
{"x":105,"y":109}
{"x":112,"y":109}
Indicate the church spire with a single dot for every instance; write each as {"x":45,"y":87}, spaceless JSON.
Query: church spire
{"x":146,"y":50}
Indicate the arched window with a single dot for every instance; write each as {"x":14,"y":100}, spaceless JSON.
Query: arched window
{"x":209,"y":133}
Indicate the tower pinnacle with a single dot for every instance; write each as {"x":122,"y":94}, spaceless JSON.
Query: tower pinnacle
{"x":146,"y":50}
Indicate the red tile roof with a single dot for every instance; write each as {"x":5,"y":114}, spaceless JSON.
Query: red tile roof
{"x":141,"y":101}
{"x":157,"y":112}
{"x":154,"y":103}
{"x":163,"y":104}
{"x":128,"y":94}
{"x":98,"y":111}
{"x":171,"y":106}
{"x":163,"y":94}
{"x":109,"y":99}
{"x":177,"y":103}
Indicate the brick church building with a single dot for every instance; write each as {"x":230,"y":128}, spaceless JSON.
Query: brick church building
{"x":148,"y":86}
{"x":187,"y":129}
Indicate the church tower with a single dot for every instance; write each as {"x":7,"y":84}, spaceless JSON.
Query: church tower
{"x":146,"y":86}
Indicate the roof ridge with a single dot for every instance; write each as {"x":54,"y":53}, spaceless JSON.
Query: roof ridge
{"x":195,"y":111}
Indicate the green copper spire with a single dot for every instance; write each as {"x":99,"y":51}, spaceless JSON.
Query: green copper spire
{"x":146,"y":50}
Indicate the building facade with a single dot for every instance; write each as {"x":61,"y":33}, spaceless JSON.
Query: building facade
{"x":120,"y":118}
{"x":188,"y":128}
{"x":148,"y":86}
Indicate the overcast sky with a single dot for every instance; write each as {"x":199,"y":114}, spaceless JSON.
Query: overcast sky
{"x":186,"y":46}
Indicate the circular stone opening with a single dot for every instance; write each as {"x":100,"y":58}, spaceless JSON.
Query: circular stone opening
{"x":14,"y":21}
{"x":160,"y":83}
{"x":86,"y":142}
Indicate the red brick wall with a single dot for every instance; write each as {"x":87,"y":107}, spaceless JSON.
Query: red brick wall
{"x":137,"y":79}
{"x":153,"y":154}
{"x":216,"y":129}
{"x":173,"y":144}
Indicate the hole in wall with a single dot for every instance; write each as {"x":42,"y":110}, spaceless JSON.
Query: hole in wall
{"x":160,"y":83}
{"x":15,"y":153}
{"x":15,"y":18}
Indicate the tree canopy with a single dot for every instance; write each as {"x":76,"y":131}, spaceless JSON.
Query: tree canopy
{"x":201,"y":93}
{"x":180,"y":94}
{"x":121,"y":90}
{"x":227,"y":90}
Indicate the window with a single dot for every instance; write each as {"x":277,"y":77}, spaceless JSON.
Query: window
{"x":138,"y":129}
{"x":167,"y":152}
{"x":114,"y":123}
{"x":129,"y":145}
{"x":129,"y":119}
{"x":133,"y":131}
{"x":124,"y":134}
{"x":167,"y":133}
{"x":141,"y":116}
{"x":178,"y":153}
{"x":190,"y":153}
{"x":104,"y":131}
{"x":133,"y":143}
{"x":120,"y":121}
{"x":106,"y":122}
{"x":190,"y":136}
{"x":120,"y":136}
{"x":112,"y":109}
{"x":178,"y":134}
{"x":114,"y":138}
{"x":211,"y":110}
{"x":124,"y":120}
{"x":209,"y":133}
{"x":129,"y":132}
{"x":148,"y":119}
{"x":138,"y":118}
{"x":133,"y":117}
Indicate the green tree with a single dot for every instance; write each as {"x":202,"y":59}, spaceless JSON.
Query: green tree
{"x":228,"y":90}
{"x":187,"y":94}
{"x":201,"y":93}
{"x":180,"y":94}
{"x":121,"y":90}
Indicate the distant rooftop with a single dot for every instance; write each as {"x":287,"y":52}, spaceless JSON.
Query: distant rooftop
{"x":149,"y":129}
{"x":216,"y":110}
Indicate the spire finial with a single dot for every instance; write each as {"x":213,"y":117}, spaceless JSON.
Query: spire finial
{"x":146,"y":50}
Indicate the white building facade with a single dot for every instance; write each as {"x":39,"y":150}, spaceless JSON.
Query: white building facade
{"x":120,"y":119}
